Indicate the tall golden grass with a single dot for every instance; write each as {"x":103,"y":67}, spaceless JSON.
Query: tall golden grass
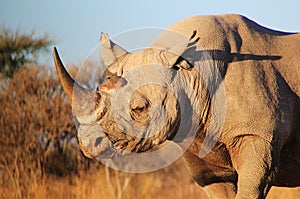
{"x":32,"y":104}
{"x":102,"y":182}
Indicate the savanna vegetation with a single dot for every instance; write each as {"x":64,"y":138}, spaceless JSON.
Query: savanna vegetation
{"x":18,"y":48}
{"x":39,"y":153}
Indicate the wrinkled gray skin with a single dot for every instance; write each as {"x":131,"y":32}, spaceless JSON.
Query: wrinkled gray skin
{"x":259,"y":145}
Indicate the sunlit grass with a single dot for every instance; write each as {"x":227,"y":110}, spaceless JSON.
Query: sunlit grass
{"x":171,"y":182}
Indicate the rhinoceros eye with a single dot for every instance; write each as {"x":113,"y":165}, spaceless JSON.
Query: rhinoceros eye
{"x":140,"y":106}
{"x":139,"y":109}
{"x":139,"y":112}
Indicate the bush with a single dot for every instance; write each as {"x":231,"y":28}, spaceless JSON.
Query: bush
{"x":33,"y":105}
{"x":17,"y":49}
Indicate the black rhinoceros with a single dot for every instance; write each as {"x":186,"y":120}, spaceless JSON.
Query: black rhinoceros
{"x":255,"y":124}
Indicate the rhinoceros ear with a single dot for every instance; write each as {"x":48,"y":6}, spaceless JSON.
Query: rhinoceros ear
{"x":110,"y":52}
{"x":180,"y":55}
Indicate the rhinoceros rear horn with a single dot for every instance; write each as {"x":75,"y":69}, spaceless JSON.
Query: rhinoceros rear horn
{"x":110,"y":51}
{"x":79,"y":97}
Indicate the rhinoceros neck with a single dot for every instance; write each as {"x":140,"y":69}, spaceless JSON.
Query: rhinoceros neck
{"x":194,"y":102}
{"x":204,"y":107}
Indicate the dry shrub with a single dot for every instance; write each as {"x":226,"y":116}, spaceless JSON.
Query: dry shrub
{"x":32,"y":105}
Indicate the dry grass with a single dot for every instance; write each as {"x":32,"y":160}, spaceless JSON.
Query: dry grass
{"x":170,"y":182}
{"x":280,"y":192}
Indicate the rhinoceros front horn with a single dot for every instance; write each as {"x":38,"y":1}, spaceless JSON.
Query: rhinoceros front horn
{"x":82,"y":99}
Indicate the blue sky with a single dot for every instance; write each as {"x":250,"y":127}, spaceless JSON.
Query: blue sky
{"x":75,"y":25}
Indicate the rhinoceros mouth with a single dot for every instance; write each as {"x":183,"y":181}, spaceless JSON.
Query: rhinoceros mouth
{"x":102,"y":149}
{"x":103,"y":152}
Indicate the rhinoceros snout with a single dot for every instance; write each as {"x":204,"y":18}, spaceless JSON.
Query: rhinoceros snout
{"x":102,"y":148}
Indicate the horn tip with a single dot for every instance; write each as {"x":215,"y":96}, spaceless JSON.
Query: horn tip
{"x":103,"y":37}
{"x":57,"y":60}
{"x":55,"y":50}
{"x":55,"y":53}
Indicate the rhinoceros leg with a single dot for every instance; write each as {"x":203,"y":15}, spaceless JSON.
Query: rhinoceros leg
{"x":214,"y":173}
{"x":252,"y":158}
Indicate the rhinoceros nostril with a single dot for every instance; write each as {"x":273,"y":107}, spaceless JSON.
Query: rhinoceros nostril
{"x":98,"y":141}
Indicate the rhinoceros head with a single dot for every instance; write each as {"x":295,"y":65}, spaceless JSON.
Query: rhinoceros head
{"x":136,"y":108}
